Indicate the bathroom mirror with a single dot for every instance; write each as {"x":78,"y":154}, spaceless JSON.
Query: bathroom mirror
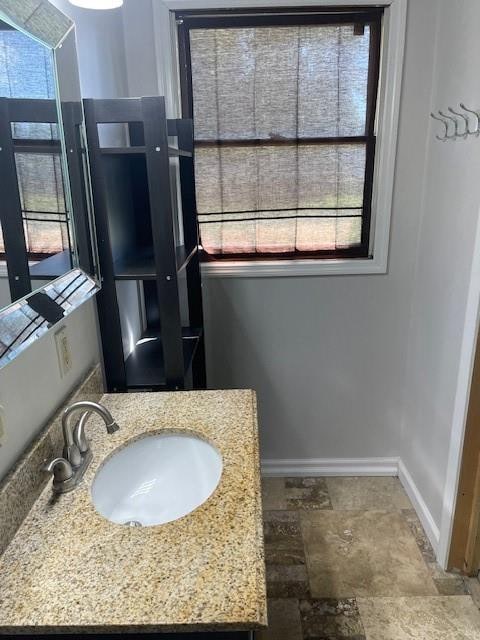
{"x":45,"y":211}
{"x":46,"y":228}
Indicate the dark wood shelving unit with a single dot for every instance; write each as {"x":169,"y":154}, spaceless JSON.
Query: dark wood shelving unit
{"x":147,"y":234}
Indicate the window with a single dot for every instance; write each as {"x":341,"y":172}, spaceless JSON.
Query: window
{"x":284,"y":108}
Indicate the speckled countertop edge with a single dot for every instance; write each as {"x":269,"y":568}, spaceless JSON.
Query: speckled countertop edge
{"x":237,"y":596}
{"x":262,"y":582}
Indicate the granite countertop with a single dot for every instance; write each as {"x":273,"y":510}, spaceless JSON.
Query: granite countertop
{"x":70,"y":570}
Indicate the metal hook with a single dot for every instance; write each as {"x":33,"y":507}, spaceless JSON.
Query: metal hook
{"x":445,"y":124}
{"x":465,"y":118}
{"x":475,"y":113}
{"x":455,"y":122}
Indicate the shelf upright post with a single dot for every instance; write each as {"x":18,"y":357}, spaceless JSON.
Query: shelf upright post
{"x":11,"y":211}
{"x":107,"y":304}
{"x":191,"y":234}
{"x":158,"y":170}
{"x":72,"y":121}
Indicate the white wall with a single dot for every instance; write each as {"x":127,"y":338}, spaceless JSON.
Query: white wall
{"x":31,"y":387}
{"x":140,"y":48}
{"x":101,"y":50}
{"x":444,"y":260}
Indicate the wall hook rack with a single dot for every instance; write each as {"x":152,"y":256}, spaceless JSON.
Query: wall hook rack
{"x":458,"y":126}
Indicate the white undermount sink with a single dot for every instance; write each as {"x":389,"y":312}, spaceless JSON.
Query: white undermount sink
{"x":157,"y":479}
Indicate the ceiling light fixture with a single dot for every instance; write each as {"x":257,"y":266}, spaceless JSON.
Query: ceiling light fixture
{"x":97,"y":4}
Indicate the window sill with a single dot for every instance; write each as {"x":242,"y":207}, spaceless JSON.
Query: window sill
{"x":292,"y":268}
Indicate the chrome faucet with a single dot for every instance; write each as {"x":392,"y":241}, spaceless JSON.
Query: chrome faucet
{"x":77,"y":455}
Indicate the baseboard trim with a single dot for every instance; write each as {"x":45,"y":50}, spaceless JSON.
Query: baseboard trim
{"x":423,"y":512}
{"x":331,"y":467}
{"x":358,"y":467}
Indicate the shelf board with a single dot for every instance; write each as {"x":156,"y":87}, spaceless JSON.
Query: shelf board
{"x":142,"y":265}
{"x":145,"y":365}
{"x":37,"y":146}
{"x":122,"y":151}
{"x":173,"y":151}
{"x":189,"y":333}
{"x":136,"y":267}
{"x":139,"y":150}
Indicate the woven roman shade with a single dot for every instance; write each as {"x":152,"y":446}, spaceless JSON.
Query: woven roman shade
{"x":281,"y":125}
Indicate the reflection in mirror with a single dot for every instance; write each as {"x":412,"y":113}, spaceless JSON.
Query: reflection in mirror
{"x":45,"y":211}
{"x":69,"y":95}
{"x":46,"y":234}
{"x":26,"y":320}
{"x":29,"y":115}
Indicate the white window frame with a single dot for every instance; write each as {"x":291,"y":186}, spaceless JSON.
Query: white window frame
{"x":386,"y":126}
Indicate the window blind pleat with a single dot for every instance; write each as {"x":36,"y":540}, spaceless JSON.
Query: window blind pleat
{"x":26,"y":71}
{"x":249,"y":178}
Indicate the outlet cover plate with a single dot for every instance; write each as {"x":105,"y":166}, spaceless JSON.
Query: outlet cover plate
{"x":64,"y":351}
{"x":3,"y":429}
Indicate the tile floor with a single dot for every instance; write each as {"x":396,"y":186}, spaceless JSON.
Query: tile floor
{"x":347,"y":559}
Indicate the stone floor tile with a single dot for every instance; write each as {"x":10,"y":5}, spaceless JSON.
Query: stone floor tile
{"x":448,"y":583}
{"x":331,"y":619}
{"x":416,"y":528}
{"x":284,"y":621}
{"x":473,"y":585}
{"x":283,"y":538}
{"x":385,"y":493}
{"x":287,"y":581}
{"x":431,"y":618}
{"x":451,"y":586}
{"x":438,"y":573}
{"x":363,"y":553}
{"x":273,"y":494}
{"x":307,"y":493}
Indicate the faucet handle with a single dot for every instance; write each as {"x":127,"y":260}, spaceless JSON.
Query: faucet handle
{"x":61,"y":470}
{"x":63,"y":475}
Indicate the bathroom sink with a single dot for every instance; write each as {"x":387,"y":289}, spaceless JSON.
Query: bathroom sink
{"x":156,"y":479}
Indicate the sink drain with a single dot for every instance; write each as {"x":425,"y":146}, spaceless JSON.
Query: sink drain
{"x":133,"y":523}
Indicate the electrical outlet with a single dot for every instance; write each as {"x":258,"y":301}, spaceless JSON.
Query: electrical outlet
{"x":64,"y":352}
{"x":3,"y":430}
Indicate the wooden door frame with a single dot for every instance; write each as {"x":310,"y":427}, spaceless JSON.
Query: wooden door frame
{"x":464,"y":552}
